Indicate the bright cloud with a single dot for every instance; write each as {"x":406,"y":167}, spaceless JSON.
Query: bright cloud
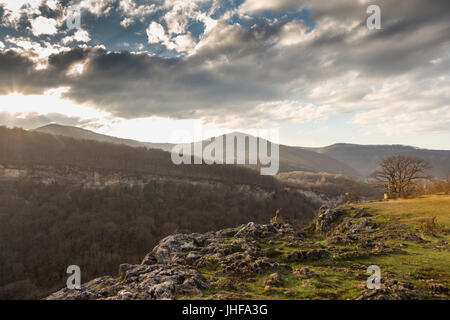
{"x":157,"y":35}
{"x":237,"y":64}
{"x":79,"y":36}
{"x":42,"y":25}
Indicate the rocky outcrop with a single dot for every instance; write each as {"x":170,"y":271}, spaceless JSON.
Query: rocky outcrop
{"x":273,"y":260}
{"x":139,"y":282}
{"x":327,"y":218}
{"x":171,"y":269}
{"x":392,"y":289}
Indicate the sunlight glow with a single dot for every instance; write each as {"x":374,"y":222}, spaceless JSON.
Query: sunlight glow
{"x":49,"y":102}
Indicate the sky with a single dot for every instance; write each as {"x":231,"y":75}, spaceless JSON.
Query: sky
{"x":311,"y":69}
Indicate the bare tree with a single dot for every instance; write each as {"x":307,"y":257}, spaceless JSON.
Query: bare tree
{"x":399,"y":173}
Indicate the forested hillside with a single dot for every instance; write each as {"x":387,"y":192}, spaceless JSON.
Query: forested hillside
{"x":47,"y":225}
{"x":27,"y":149}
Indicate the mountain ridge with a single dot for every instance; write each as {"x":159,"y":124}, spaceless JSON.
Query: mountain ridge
{"x":365,"y":158}
{"x":291,"y":158}
{"x":80,"y":133}
{"x":353,"y":160}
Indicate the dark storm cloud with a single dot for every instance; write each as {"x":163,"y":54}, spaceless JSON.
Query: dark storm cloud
{"x":18,"y":71}
{"x":150,"y":85}
{"x":17,"y":74}
{"x":63,"y":61}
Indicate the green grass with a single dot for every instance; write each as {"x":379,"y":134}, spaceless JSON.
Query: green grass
{"x":412,"y":211}
{"x":419,"y":258}
{"x":414,"y":262}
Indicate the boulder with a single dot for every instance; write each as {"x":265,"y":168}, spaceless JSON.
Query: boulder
{"x":326,"y":219}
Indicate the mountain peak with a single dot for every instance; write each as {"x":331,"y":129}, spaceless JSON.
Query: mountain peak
{"x":59,"y":128}
{"x":55,"y":125}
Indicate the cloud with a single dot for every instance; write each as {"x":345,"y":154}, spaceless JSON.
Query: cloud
{"x":252,"y":6}
{"x":34,"y":120}
{"x":42,"y":25}
{"x":79,"y":36}
{"x":404,"y":106}
{"x":37,"y":52}
{"x":52,"y":4}
{"x":244,"y":67}
{"x":132,"y":11}
{"x":13,"y":10}
{"x":157,"y":35}
{"x":97,"y":7}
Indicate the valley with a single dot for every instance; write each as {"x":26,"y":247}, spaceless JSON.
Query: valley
{"x":103,"y":203}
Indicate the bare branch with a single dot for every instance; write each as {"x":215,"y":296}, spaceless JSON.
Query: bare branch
{"x":398,"y":174}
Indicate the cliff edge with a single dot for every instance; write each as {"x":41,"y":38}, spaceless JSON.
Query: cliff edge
{"x":326,"y":260}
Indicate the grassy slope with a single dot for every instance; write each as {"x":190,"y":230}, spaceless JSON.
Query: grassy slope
{"x":421,"y":261}
{"x":343,"y":274}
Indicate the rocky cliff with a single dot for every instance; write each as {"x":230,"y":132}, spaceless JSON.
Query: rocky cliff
{"x":328,"y":261}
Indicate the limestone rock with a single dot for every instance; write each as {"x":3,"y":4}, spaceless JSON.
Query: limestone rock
{"x":326,"y":219}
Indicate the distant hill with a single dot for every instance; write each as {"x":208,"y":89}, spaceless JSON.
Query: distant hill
{"x":298,"y":159}
{"x":101,"y":203}
{"x":291,"y":158}
{"x":352,"y":160}
{"x":78,"y":133}
{"x":365,"y":158}
{"x":31,"y":148}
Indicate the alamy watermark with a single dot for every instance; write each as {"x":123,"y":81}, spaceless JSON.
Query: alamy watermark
{"x":233,"y":148}
{"x":73,"y":20}
{"x":74,"y":281}
{"x":374,"y":20}
{"x":374,"y":281}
